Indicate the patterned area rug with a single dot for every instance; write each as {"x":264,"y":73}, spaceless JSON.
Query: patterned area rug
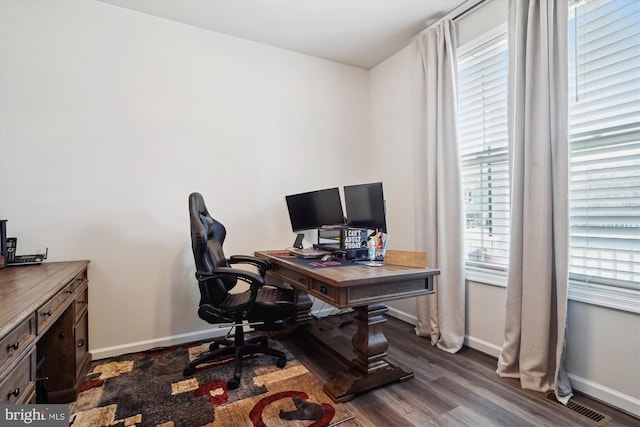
{"x":148,"y":389}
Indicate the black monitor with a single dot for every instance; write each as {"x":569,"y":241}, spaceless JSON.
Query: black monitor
{"x":365,"y":206}
{"x":315,"y":209}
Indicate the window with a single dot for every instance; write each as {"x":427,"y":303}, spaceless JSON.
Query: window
{"x":604,"y":137}
{"x":482,"y":132}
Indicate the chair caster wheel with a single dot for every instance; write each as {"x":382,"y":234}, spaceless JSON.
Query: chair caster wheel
{"x":233,"y":383}
{"x":188,"y":371}
{"x":282,"y":362}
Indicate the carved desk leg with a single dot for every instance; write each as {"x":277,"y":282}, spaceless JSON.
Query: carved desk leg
{"x":369,"y":369}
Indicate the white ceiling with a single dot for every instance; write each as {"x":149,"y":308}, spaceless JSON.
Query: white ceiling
{"x":361,"y":33}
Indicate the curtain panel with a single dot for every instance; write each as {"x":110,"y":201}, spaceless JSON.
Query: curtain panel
{"x":438,"y":185}
{"x":536,"y":306}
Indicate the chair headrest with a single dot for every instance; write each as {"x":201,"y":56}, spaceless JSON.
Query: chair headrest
{"x":207,"y":236}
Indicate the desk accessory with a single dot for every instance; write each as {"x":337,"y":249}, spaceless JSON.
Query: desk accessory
{"x":406,"y":258}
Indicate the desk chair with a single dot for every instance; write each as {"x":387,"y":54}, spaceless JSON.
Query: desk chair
{"x":264,"y":307}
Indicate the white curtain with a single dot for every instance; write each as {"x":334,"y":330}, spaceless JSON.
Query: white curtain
{"x":438,"y":196}
{"x":536,"y":308}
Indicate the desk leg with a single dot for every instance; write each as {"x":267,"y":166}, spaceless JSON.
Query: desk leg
{"x":369,"y":369}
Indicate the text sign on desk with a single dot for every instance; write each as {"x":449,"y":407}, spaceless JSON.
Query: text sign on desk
{"x":353,"y":238}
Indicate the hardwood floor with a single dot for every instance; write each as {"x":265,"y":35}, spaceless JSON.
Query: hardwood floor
{"x":448,"y":390}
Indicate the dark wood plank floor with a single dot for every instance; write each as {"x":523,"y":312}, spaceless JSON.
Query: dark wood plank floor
{"x":448,"y":390}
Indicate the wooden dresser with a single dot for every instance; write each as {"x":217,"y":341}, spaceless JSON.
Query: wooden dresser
{"x":43,"y":332}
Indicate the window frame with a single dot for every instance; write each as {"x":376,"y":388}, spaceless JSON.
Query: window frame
{"x":603,"y":293}
{"x":497,"y":275}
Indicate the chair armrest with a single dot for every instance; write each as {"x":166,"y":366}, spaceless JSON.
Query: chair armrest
{"x":249,"y":277}
{"x":255,"y":282}
{"x":262,"y":265}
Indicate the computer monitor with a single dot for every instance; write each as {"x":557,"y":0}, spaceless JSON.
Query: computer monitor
{"x":315,"y":209}
{"x":365,"y":206}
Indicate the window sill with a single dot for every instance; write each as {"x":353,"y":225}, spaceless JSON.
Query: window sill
{"x":589,"y":293}
{"x":486,"y":276}
{"x":605,"y":296}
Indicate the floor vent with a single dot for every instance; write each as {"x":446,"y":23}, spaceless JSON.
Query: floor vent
{"x":577,"y":408}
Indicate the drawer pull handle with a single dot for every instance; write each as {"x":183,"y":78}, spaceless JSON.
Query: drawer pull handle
{"x":14,"y":393}
{"x":13,"y":346}
{"x":61,"y":335}
{"x":81,"y":302}
{"x":323,"y":289}
{"x":70,"y":291}
{"x":81,"y":343}
{"x":47,"y":313}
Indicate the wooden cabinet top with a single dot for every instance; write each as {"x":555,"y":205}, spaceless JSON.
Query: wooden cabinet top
{"x":23,"y":289}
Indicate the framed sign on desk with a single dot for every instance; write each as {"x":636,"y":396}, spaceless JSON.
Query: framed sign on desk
{"x":364,"y":289}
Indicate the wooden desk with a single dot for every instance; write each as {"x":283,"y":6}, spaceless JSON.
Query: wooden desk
{"x":44,"y":322}
{"x":365,"y":289}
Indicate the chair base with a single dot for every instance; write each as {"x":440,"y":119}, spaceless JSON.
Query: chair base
{"x":238,"y":348}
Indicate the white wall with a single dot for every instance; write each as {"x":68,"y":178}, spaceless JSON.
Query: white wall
{"x":391,"y":147}
{"x":109,"y":118}
{"x":603,"y":345}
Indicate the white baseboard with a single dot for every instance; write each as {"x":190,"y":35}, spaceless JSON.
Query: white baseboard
{"x":409,"y":318}
{"x":206,"y":335}
{"x":482,"y":345}
{"x":605,"y":394}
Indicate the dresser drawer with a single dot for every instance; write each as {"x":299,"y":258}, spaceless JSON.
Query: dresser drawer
{"x":80,"y":281}
{"x":290,"y":276}
{"x":81,"y":342}
{"x":19,"y":385}
{"x":17,"y":342}
{"x":81,"y":302}
{"x":326,"y":292}
{"x":52,"y":309}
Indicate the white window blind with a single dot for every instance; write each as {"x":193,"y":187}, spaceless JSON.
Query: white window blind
{"x":604,"y":137}
{"x":482,"y":132}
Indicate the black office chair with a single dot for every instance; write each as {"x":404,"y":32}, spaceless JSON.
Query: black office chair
{"x":264,"y":307}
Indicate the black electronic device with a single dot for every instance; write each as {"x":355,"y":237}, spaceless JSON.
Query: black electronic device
{"x":33,"y":259}
{"x":361,"y":254}
{"x":315,"y":209}
{"x":298,"y":243}
{"x":365,"y":207}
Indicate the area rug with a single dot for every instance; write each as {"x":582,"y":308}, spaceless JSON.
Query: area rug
{"x":148,"y":389}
